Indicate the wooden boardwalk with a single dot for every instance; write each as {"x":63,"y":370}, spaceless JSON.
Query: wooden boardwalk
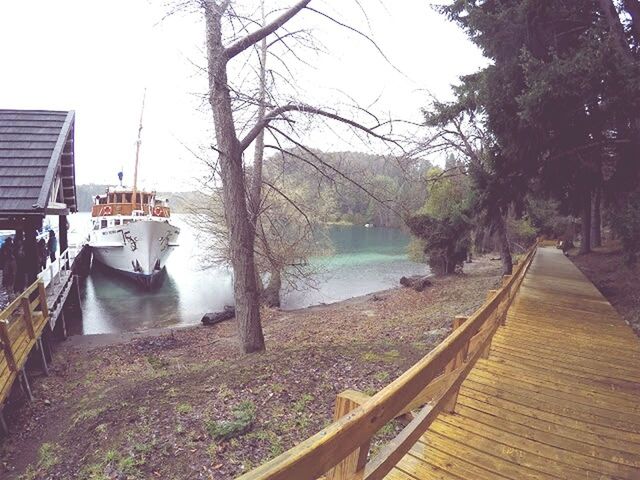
{"x":541,"y":382}
{"x":557,"y":398}
{"x":23,"y":322}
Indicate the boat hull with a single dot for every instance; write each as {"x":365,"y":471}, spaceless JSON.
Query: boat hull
{"x":138,"y":249}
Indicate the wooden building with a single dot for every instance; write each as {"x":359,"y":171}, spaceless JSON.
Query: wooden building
{"x":37,"y":174}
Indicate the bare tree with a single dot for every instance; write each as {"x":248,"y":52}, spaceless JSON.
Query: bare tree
{"x":230,"y":147}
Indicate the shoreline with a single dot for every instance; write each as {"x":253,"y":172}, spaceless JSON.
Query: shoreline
{"x":149,"y":404}
{"x":92,"y":340}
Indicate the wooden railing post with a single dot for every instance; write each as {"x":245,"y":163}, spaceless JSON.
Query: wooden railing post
{"x":26,"y":314}
{"x":456,"y":362}
{"x":42,"y":293}
{"x":6,"y":346}
{"x":354,"y":463}
{"x":505,"y":281}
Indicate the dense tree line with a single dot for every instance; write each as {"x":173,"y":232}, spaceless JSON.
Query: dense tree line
{"x":557,"y":108}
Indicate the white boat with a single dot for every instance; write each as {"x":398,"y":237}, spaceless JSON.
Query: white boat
{"x":132,"y":233}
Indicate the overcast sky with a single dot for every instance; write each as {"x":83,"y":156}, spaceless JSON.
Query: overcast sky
{"x":98,"y":57}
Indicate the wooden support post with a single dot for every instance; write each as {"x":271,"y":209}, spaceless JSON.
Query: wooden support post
{"x":487,"y":349}
{"x":75,"y":280}
{"x":456,"y":362}
{"x":6,"y":345}
{"x":63,"y":326}
{"x":26,"y":388}
{"x":3,"y":423}
{"x":351,"y":467}
{"x":43,"y":357}
{"x":460,"y":357}
{"x":26,"y":315}
{"x":42,"y":294}
{"x":63,"y":227}
{"x":47,"y":339}
{"x":505,"y":280}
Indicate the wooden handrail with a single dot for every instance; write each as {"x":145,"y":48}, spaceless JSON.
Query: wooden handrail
{"x":23,"y":315}
{"x":325,"y":450}
{"x":51,"y":273}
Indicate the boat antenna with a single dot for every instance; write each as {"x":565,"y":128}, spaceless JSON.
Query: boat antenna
{"x":134,"y":192}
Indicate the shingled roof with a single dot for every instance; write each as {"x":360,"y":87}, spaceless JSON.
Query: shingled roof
{"x":37,"y":172}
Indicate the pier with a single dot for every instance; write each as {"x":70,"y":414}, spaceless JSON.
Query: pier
{"x":37,"y":179}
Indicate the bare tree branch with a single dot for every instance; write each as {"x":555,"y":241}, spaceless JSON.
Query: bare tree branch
{"x":291,"y":107}
{"x":254,"y":37}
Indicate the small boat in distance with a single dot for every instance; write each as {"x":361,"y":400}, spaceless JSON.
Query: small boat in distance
{"x":131,"y":230}
{"x":132,"y":233}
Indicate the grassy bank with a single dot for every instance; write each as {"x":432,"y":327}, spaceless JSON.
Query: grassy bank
{"x":185,"y":404}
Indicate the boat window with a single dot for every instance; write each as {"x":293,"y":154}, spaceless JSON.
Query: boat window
{"x":116,"y":222}
{"x":96,"y":225}
{"x":103,"y":224}
{"x":126,"y":221}
{"x":128,"y":197}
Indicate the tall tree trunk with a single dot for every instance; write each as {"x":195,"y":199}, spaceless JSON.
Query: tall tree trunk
{"x":596,"y":219}
{"x":585,"y":243}
{"x":633,"y":8}
{"x":271,"y":295}
{"x":610,"y":13}
{"x":505,"y":247}
{"x":621,"y":45}
{"x":241,"y":229}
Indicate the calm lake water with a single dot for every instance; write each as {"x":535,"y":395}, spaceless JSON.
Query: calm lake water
{"x":365,"y":260}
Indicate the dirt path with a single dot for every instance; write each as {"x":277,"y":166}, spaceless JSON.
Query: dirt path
{"x":184,"y":404}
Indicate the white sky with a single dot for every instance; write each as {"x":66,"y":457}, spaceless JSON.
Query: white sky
{"x":97,"y":58}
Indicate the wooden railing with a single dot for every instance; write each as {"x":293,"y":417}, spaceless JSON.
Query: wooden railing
{"x":341,"y":450}
{"x":21,"y":325}
{"x":54,"y":273}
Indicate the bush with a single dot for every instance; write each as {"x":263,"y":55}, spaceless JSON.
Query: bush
{"x":446,"y":240}
{"x":243,"y":417}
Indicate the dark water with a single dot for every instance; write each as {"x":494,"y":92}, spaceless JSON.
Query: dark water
{"x":365,"y":260}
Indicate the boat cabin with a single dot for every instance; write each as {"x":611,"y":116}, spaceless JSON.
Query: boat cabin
{"x":127,"y":203}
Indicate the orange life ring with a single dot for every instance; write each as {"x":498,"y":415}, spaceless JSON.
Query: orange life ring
{"x":106,"y":210}
{"x":158,"y":212}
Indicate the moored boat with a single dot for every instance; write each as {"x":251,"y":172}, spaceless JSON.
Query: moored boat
{"x":132,"y":233}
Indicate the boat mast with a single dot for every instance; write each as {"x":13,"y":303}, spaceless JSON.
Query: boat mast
{"x":134,"y":192}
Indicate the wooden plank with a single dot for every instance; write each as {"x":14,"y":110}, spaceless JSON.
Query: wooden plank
{"x":537,"y":443}
{"x":6,"y":346}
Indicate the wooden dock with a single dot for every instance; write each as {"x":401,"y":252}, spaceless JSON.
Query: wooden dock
{"x":24,"y":321}
{"x":542,"y":382}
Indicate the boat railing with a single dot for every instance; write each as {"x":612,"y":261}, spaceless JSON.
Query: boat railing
{"x":127,"y":209}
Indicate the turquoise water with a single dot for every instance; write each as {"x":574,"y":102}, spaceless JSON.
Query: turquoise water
{"x":364,"y":260}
